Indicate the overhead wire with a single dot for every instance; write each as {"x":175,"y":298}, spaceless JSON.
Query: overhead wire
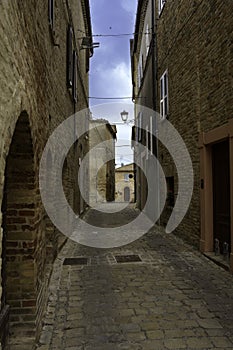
{"x":119,"y":34}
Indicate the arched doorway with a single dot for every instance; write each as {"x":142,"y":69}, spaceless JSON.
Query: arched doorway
{"x":20,"y":224}
{"x":126,"y":194}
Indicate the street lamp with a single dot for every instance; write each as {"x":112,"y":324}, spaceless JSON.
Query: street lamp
{"x":124,"y":116}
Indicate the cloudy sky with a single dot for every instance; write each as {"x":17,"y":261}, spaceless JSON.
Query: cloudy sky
{"x":110,"y":73}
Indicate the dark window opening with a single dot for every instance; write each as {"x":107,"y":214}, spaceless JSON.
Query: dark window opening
{"x":170,"y":191}
{"x":69,"y":57}
{"x":51,"y":12}
{"x":74,"y":83}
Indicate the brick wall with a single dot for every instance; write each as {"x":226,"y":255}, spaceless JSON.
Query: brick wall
{"x":33,"y":92}
{"x":194,"y":43}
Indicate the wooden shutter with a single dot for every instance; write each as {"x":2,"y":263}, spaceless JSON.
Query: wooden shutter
{"x":74,"y":86}
{"x":69,"y":56}
{"x":51,"y":12}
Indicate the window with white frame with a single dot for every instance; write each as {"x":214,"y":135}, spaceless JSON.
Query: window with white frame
{"x":74,"y":82}
{"x":147,"y":142}
{"x":140,"y":71}
{"x":147,"y":39}
{"x":139,"y":127}
{"x":151,"y":135}
{"x":164,"y":95}
{"x":161,"y":5}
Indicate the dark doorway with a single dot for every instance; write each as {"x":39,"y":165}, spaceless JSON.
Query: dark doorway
{"x":126,"y":194}
{"x":221,"y":193}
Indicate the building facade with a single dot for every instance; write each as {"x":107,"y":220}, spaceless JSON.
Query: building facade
{"x":143,"y":63}
{"x":44,"y":80}
{"x":125,"y":183}
{"x":102,"y":138}
{"x":193,"y":57}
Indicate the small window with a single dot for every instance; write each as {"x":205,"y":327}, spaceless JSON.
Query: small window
{"x":170,"y":191}
{"x":126,"y":177}
{"x":164,"y":96}
{"x":74,"y":83}
{"x":161,"y":5}
{"x":69,"y":57}
{"x":51,"y":12}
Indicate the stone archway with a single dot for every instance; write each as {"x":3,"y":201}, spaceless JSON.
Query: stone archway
{"x":20,"y":224}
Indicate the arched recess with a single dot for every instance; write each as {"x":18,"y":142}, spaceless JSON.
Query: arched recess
{"x":20,"y":231}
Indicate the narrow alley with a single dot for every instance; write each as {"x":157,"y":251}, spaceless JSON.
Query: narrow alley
{"x":168,"y":297}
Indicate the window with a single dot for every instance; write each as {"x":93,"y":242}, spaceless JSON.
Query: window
{"x":140,"y":70}
{"x":126,"y":177}
{"x":147,"y":39}
{"x":147,"y":142}
{"x":69,"y":57}
{"x":151,"y":148}
{"x":74,"y":82}
{"x":161,"y":5}
{"x":164,"y":95}
{"x":170,"y":191}
{"x":51,"y":12}
{"x":139,"y":127}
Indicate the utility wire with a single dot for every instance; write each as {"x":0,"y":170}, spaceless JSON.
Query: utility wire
{"x":118,"y":35}
{"x":112,"y":98}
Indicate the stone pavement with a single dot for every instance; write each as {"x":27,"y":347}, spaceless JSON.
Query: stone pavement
{"x":175,"y":298}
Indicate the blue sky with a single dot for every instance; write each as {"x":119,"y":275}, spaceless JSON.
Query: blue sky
{"x":110,"y":65}
{"x":110,"y":72}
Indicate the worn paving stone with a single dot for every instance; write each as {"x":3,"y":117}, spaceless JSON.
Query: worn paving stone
{"x":174,"y":299}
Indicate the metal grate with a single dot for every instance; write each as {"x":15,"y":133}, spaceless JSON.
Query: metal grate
{"x":127,"y":258}
{"x":75,"y":261}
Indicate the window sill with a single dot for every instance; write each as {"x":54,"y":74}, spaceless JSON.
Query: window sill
{"x":161,"y":11}
{"x":53,"y":36}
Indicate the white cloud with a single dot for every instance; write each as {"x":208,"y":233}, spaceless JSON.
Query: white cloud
{"x":129,"y":5}
{"x":116,"y":81}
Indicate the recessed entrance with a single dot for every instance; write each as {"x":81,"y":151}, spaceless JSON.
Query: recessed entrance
{"x":216,"y":191}
{"x":221,"y":194}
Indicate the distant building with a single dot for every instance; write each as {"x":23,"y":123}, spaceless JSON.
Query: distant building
{"x":125,"y":183}
{"x":102,"y":138}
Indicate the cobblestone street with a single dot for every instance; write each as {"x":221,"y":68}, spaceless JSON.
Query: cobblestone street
{"x":174,"y":298}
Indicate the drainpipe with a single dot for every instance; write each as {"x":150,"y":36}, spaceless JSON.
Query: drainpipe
{"x":154,"y":92}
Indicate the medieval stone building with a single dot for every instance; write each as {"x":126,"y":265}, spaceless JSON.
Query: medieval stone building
{"x":44,"y":80}
{"x":193,"y":90}
{"x":125,"y":183}
{"x":102,"y":138}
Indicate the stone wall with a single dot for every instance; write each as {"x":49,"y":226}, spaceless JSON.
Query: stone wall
{"x":34,"y":100}
{"x":194,"y":44}
{"x":125,"y":186}
{"x":102,"y":137}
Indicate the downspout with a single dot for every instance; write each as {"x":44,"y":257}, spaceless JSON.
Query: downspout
{"x":154,"y":93}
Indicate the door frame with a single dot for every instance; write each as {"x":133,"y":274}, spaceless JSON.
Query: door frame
{"x":206,"y":140}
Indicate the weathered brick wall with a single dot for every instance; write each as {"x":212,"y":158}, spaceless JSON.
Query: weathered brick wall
{"x":194,"y":41}
{"x":33,"y":85}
